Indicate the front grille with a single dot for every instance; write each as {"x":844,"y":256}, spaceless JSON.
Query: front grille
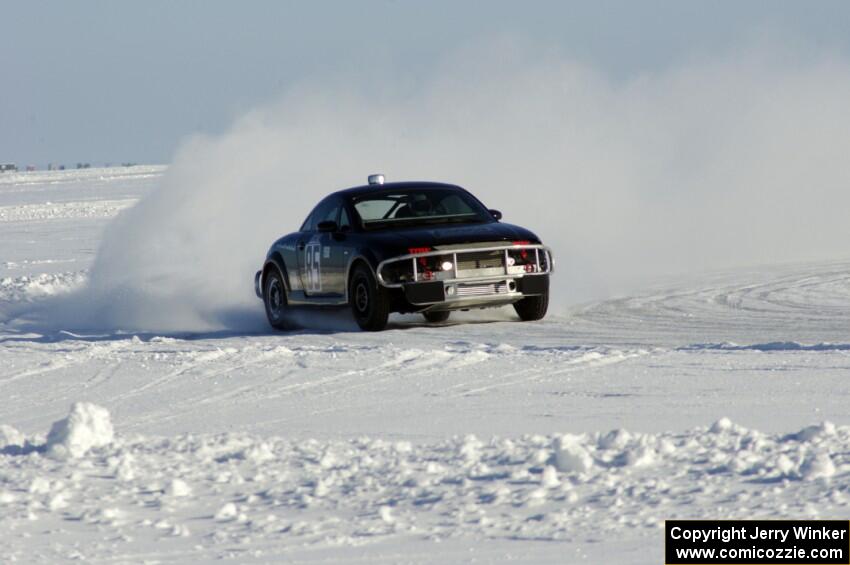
{"x":482,"y":289}
{"x":480,"y":260}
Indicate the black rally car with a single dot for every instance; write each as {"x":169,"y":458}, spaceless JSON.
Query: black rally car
{"x":405,"y":247}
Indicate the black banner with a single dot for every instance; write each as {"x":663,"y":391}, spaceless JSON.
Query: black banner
{"x":757,"y":542}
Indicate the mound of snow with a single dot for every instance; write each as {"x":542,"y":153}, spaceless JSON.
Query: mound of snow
{"x":178,"y":489}
{"x":818,"y":466}
{"x":571,"y":455}
{"x":87,"y":426}
{"x":9,"y":436}
{"x":227,"y":512}
{"x":810,"y":433}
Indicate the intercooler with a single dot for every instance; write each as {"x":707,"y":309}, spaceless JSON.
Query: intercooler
{"x":482,"y":289}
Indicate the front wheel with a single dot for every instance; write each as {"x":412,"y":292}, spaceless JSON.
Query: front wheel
{"x":369,"y":302}
{"x":532,"y":308}
{"x":274,"y":298}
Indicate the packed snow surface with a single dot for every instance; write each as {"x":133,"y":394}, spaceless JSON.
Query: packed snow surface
{"x":484,"y":438}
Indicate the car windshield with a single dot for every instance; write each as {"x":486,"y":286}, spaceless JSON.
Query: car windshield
{"x":418,"y":206}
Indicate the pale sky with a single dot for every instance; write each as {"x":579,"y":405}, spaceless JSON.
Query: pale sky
{"x":126,"y":81}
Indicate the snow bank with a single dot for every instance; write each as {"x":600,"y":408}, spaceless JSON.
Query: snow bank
{"x":220,"y":490}
{"x":87,"y":426}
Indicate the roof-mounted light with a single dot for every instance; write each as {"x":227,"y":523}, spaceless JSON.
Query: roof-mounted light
{"x":376,"y":179}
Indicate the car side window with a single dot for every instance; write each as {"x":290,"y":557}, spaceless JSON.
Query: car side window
{"x":344,"y":221}
{"x":306,"y":225}
{"x":326,"y":210}
{"x":309,"y":222}
{"x":328,"y":214}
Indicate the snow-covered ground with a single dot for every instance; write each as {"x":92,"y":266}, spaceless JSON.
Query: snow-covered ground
{"x":484,"y":439}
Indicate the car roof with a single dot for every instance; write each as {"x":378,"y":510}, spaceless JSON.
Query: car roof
{"x":390,"y":186}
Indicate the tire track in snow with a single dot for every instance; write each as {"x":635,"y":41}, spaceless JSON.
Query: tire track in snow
{"x":588,"y":360}
{"x":197,"y":360}
{"x":417,"y":362}
{"x":53,"y":365}
{"x":251,"y":392}
{"x":90,"y":351}
{"x":791,"y":303}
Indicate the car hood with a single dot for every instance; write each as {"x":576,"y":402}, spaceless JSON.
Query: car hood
{"x":398,"y":241}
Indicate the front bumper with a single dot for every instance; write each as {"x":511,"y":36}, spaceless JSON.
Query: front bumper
{"x":439,"y":295}
{"x":475,"y":287}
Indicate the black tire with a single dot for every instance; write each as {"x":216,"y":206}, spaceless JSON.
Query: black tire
{"x":532,"y":308}
{"x":436,"y":317}
{"x":274,"y":299}
{"x":370,"y":303}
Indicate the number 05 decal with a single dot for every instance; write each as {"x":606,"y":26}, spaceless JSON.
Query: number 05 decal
{"x":313,"y":266}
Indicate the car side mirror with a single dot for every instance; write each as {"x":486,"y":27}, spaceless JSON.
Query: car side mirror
{"x":327,"y":226}
{"x":496,"y":214}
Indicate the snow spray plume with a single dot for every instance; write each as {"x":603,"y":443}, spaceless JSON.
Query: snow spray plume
{"x":709,"y":165}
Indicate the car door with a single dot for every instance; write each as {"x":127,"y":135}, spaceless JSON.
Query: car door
{"x":337,"y":252}
{"x":314,"y":251}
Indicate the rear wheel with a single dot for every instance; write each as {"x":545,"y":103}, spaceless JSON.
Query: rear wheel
{"x":532,"y":308}
{"x":274,"y":298}
{"x":436,"y":317}
{"x":369,"y":302}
